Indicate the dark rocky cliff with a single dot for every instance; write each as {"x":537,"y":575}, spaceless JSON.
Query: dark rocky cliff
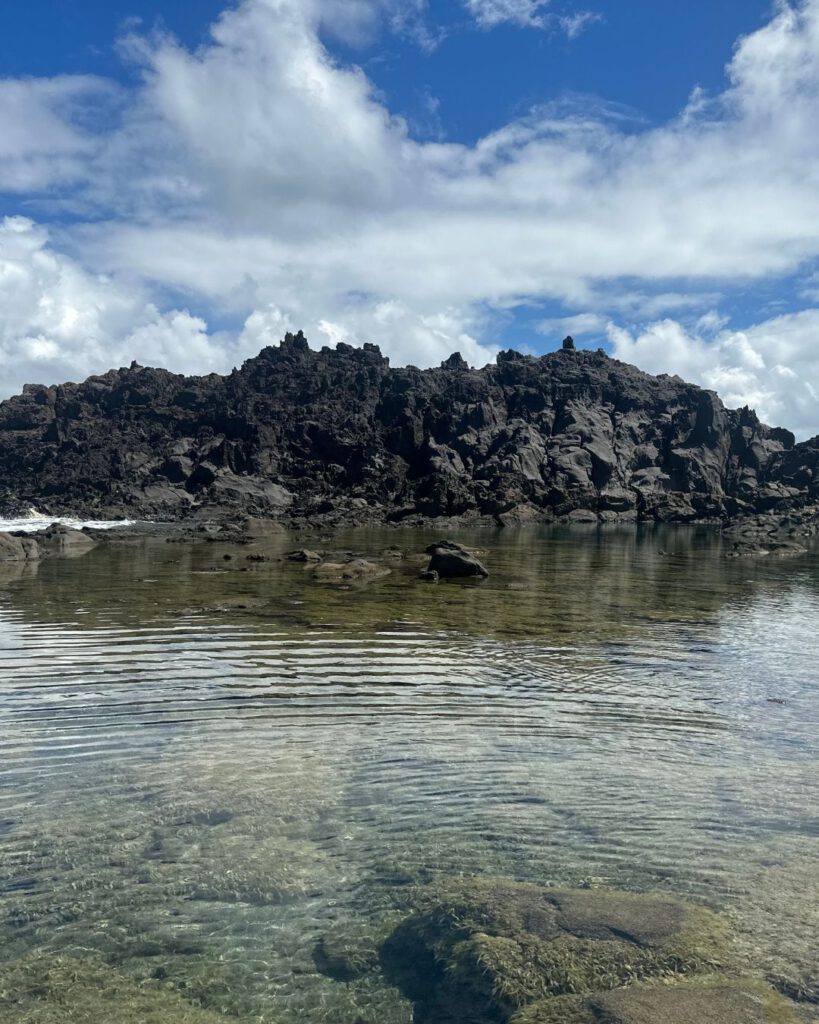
{"x":338,"y":432}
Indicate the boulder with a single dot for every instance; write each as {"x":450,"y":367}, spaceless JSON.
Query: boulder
{"x":451,"y":561}
{"x":18,"y":548}
{"x":63,"y":540}
{"x":256,"y":528}
{"x":303,"y":555}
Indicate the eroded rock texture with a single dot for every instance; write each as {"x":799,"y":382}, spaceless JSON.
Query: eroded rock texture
{"x":296,"y":432}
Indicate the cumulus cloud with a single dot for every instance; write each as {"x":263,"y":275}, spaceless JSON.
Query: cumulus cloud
{"x":59,"y":322}
{"x":260,"y":180}
{"x":410,"y":337}
{"x":772,"y":367}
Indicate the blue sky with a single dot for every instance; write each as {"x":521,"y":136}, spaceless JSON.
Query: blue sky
{"x":180,"y":183}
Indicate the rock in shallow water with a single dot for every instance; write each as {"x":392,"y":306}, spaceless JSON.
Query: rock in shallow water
{"x":62,"y":540}
{"x":492,"y":951}
{"x":18,"y":549}
{"x":51,"y":989}
{"x":451,"y":561}
{"x":303,"y":555}
{"x":698,"y":1001}
{"x":355,"y":569}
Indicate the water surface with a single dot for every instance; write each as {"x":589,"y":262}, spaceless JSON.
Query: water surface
{"x":208,"y":762}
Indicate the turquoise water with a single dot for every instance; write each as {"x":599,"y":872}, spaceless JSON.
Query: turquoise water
{"x":208,"y":764}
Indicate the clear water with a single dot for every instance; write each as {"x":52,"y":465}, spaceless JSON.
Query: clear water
{"x":206,"y":764}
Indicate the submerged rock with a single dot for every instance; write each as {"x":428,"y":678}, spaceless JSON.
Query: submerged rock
{"x":355,"y":569}
{"x":777,"y":535}
{"x":763,"y":549}
{"x":351,"y":950}
{"x":482,"y":949}
{"x":255,"y":528}
{"x":49,"y":989}
{"x":303,"y":555}
{"x":699,"y":1001}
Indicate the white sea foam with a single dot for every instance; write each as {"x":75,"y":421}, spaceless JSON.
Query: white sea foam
{"x":35,"y":521}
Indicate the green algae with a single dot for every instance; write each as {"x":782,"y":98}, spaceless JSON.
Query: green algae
{"x":353,"y":949}
{"x":494,"y":945}
{"x":704,"y":1000}
{"x":42,"y":989}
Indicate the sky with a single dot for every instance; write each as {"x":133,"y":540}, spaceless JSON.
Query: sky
{"x":182,"y":183}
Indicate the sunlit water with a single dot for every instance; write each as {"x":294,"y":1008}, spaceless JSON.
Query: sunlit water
{"x":34,"y":522}
{"x":206,"y":763}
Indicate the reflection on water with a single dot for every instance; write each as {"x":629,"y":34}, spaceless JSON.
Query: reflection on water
{"x":208,"y":762}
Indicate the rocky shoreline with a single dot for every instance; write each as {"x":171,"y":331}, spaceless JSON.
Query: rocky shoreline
{"x":760,"y":536}
{"x":337,"y":437}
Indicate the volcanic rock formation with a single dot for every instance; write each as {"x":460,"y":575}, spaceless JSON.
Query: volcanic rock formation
{"x":296,"y":433}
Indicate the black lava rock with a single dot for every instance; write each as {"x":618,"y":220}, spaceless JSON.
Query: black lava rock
{"x":339,"y":435}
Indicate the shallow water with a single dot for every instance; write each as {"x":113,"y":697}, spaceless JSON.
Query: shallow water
{"x":207,"y":763}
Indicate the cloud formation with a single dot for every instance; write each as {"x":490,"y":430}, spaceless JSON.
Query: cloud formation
{"x":261,"y":182}
{"x":529,"y":14}
{"x":773,"y":366}
{"x":60,"y":322}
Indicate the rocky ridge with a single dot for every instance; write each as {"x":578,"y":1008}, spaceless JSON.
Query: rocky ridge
{"x":338,"y":435}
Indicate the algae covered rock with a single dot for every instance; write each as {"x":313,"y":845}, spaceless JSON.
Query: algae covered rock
{"x":47,"y":989}
{"x":353,"y":570}
{"x":697,"y":1001}
{"x":488,"y":947}
{"x":352,"y":949}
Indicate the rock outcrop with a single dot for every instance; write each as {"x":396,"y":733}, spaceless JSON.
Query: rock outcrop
{"x":297,"y":433}
{"x":494,"y":951}
{"x":15,"y":548}
{"x":56,"y":540}
{"x":448,"y":560}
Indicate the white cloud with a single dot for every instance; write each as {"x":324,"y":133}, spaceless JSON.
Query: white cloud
{"x":581,"y":324}
{"x":408,"y":337}
{"x":529,"y":14}
{"x":575,"y":24}
{"x":489,"y":13}
{"x":259,"y":174}
{"x":58,"y":321}
{"x":809,"y":289}
{"x":773,"y":366}
{"x":45,"y":140}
